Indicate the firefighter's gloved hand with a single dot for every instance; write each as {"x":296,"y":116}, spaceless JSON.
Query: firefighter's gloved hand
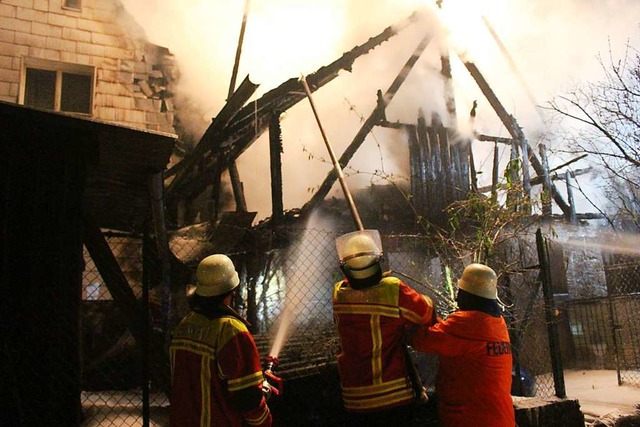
{"x":273,"y":383}
{"x":269,"y":390}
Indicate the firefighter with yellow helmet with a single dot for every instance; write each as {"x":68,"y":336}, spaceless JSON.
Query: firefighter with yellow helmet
{"x":371,"y":310}
{"x":473,"y":382}
{"x":217,"y":377}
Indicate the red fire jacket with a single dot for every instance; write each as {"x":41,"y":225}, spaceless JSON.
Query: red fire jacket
{"x":372,"y":362}
{"x":473,"y":383}
{"x":216,"y":374}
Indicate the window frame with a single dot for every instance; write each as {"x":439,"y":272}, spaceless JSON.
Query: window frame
{"x":59,"y":68}
{"x":65,"y":5}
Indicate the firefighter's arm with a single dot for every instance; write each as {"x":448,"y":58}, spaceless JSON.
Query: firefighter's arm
{"x":239,"y":364}
{"x":252,"y":403}
{"x":415,"y":307}
{"x":436,"y":340}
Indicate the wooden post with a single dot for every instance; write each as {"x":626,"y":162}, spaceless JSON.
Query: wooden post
{"x":275,"y":152}
{"x":156,"y":191}
{"x":426,"y":167}
{"x":416,"y":167}
{"x":234,"y":175}
{"x":546,"y":184}
{"x":495,"y":173}
{"x":514,"y":197}
{"x":573,"y":218}
{"x":526,"y":176}
{"x":436,"y":199}
{"x":550,"y":316}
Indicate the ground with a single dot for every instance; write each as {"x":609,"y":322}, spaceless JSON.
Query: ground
{"x":599,"y":393}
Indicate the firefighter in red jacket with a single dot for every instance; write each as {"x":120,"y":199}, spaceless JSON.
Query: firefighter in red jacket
{"x":217,"y":378}
{"x":371,"y":311}
{"x":473,"y":383}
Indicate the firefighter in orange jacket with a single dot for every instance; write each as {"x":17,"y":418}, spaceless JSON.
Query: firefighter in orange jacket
{"x":371,"y":313}
{"x":473,"y":383}
{"x":217,"y":378}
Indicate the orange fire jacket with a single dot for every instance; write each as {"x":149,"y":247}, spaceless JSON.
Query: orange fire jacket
{"x":473,"y":383}
{"x":216,"y":374}
{"x":370,"y":322}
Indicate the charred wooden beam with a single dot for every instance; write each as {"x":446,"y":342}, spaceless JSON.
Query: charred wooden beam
{"x":514,"y":198}
{"x":467,"y":168}
{"x":253,"y":119}
{"x":234,"y":175}
{"x":573,"y":219}
{"x":495,"y":173}
{"x":206,"y":144}
{"x":526,"y":176}
{"x":539,"y":179}
{"x":156,"y":191}
{"x":546,"y":183}
{"x":237,"y":187}
{"x":426,"y":166}
{"x":450,"y":99}
{"x":415,"y":168}
{"x":113,"y":276}
{"x":435,"y":199}
{"x":498,"y":139}
{"x":373,"y":119}
{"x":447,"y":188}
{"x":473,"y":173}
{"x":275,"y":152}
{"x":512,"y":127}
{"x":567,"y":163}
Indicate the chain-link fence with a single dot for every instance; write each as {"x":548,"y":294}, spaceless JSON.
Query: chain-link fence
{"x":287,"y":280}
{"x":116,"y":384}
{"x":599,"y":312}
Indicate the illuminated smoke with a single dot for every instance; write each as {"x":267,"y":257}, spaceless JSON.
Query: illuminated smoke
{"x":553,"y":44}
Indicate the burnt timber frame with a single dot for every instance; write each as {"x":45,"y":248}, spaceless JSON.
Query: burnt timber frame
{"x":233,"y":132}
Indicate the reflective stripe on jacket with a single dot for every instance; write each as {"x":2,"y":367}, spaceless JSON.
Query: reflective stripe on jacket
{"x":372,"y":361}
{"x":216,"y":374}
{"x":474,"y":374}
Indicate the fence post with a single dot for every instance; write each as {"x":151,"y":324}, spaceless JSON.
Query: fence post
{"x":550,"y":317}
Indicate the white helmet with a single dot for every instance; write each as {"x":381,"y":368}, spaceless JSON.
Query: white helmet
{"x":360,"y":252}
{"x":480,"y":280}
{"x":216,"y":275}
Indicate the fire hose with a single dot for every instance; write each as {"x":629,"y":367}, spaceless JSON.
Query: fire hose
{"x":272,"y":384}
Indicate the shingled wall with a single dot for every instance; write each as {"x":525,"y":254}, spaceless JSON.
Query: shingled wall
{"x":132,"y":76}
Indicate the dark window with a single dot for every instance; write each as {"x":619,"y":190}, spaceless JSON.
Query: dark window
{"x":59,"y":87}
{"x":73,"y":4}
{"x":40,"y":88}
{"x":76,"y":93}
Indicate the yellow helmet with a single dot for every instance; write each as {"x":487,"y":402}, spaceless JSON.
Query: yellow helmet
{"x":360,"y":252}
{"x":216,"y":275}
{"x":480,"y":280}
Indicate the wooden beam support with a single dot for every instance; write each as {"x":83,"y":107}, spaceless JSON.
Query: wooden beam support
{"x":512,"y":127}
{"x":374,"y":118}
{"x":253,"y":119}
{"x":113,"y":277}
{"x":275,"y":154}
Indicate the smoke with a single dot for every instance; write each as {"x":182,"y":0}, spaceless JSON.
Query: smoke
{"x":554,"y":45}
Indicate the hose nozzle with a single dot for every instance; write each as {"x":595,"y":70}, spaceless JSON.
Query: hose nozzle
{"x":270,"y":362}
